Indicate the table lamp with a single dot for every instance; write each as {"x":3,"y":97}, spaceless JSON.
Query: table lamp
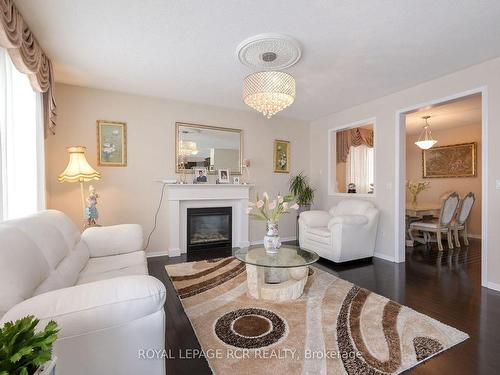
{"x":79,"y":170}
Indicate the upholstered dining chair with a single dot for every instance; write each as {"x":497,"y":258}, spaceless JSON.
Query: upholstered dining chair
{"x":443,"y":225}
{"x":459,"y":224}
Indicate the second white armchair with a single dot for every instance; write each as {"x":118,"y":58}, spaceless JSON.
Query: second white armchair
{"x":346,"y":232}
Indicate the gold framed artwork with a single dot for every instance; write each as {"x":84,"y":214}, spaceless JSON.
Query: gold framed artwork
{"x":458,"y":160}
{"x":111,"y":143}
{"x":281,"y":152}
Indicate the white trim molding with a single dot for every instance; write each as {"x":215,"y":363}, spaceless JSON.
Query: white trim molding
{"x":384,"y":257}
{"x":400,"y":158}
{"x":493,"y":286}
{"x":154,"y":254}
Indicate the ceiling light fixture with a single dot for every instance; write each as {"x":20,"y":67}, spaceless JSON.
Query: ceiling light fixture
{"x":425,"y":141}
{"x":269,"y":90}
{"x":188,"y":148}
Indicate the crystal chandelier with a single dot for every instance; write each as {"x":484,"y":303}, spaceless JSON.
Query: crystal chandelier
{"x":269,"y":91}
{"x":425,"y":141}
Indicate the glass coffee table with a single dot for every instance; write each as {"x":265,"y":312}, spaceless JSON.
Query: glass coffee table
{"x":276,"y":277}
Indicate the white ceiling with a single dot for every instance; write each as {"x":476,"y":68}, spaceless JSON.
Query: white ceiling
{"x":353,"y":51}
{"x":462,"y":112}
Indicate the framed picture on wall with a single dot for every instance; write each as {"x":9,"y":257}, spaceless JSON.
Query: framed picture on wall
{"x":450,"y":161}
{"x":111,"y":143}
{"x":281,"y":156}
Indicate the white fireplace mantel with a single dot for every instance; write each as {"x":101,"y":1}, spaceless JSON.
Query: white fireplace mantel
{"x":180,"y":197}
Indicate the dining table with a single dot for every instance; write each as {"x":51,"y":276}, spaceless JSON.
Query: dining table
{"x":416,"y":212}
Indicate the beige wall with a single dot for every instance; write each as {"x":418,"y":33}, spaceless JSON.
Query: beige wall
{"x":384,"y":109}
{"x":129,"y":194}
{"x":438,"y":186}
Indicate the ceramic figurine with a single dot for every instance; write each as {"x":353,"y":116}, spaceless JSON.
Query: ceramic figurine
{"x":91,"y":213}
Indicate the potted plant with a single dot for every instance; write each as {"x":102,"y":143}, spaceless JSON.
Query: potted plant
{"x":270,"y":211}
{"x":24,"y":352}
{"x":415,"y":188}
{"x":302,"y":191}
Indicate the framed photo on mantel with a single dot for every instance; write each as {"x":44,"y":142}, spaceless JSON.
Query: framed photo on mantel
{"x":111,"y":143}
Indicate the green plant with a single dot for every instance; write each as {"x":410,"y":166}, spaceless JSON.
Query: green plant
{"x":22,"y":350}
{"x":301,"y":190}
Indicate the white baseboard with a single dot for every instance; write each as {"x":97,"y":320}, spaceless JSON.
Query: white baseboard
{"x":384,"y":257}
{"x":283,"y":239}
{"x":161,"y":253}
{"x":493,"y":286}
{"x":152,"y":254}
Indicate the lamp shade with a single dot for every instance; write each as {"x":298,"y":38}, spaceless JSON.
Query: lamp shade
{"x":78,"y":168}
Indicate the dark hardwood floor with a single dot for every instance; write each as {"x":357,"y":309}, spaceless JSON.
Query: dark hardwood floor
{"x":445,"y":286}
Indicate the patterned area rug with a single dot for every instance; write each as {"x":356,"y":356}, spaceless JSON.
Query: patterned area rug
{"x":335,"y":327}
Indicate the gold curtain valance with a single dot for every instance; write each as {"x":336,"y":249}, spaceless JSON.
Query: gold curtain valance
{"x":352,"y":137}
{"x":28,"y":57}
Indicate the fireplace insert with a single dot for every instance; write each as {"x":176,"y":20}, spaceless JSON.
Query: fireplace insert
{"x":209,"y":228}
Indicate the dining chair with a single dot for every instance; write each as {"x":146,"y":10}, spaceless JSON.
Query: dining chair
{"x":443,"y":225}
{"x":459,"y":224}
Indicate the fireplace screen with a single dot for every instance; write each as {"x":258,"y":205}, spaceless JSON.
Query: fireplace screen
{"x":209,"y":227}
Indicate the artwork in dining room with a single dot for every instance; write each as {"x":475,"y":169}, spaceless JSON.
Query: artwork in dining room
{"x":458,"y":160}
{"x":281,"y":154}
{"x":111,"y":143}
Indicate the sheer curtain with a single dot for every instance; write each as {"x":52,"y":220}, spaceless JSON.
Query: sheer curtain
{"x":22,"y":177}
{"x":359,"y":168}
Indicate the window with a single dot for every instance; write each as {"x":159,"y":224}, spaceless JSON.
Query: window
{"x":359,"y":168}
{"x":22,"y":184}
{"x":352,"y":164}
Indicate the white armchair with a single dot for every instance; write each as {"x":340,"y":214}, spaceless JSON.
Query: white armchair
{"x":347,"y":232}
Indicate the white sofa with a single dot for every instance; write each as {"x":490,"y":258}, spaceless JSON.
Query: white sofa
{"x":347,"y":232}
{"x":95,"y":285}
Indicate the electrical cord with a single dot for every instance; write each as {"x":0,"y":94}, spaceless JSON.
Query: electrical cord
{"x":156,"y":216}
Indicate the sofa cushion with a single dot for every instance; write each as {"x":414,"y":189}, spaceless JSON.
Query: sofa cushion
{"x":319,"y":231}
{"x":83,"y":309}
{"x":22,"y":267}
{"x":63,"y":223}
{"x":114,"y":266}
{"x":67,"y":272}
{"x":47,"y":237}
{"x":321,"y":238}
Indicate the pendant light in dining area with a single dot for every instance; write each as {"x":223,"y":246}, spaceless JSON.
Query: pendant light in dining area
{"x":425,"y":141}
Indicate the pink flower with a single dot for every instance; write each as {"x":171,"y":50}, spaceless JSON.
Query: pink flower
{"x":260,"y":203}
{"x":294,"y":206}
{"x":249,"y":209}
{"x":272,"y":205}
{"x":285,"y":206}
{"x":280,"y":199}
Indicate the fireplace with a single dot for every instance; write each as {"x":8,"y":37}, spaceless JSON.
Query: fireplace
{"x":209,"y":228}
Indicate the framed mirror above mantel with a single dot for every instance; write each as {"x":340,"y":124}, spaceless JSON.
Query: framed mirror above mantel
{"x":351,"y":159}
{"x":210,"y":147}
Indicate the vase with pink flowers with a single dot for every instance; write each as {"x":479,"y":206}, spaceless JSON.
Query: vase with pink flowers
{"x":270,"y":210}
